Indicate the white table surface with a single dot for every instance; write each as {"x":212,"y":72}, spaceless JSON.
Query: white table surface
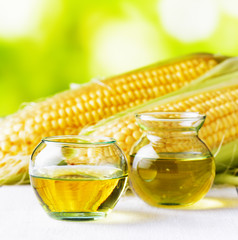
{"x":214,"y":217}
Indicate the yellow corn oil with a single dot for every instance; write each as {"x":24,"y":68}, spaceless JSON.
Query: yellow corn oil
{"x":172,"y":182}
{"x":72,"y":193}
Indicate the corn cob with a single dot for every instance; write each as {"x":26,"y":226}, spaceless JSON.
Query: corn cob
{"x":220,"y":106}
{"x":68,"y":112}
{"x":220,"y":131}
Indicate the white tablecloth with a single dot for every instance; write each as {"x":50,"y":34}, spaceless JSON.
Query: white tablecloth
{"x":215,"y":217}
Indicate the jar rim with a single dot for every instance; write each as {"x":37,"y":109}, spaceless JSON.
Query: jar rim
{"x":170,"y":116}
{"x":79,"y":140}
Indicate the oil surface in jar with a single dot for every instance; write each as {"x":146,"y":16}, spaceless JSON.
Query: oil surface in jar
{"x":78,"y":192}
{"x":172,"y":181}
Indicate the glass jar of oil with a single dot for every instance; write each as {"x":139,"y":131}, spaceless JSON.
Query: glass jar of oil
{"x":170,"y":165}
{"x":78,"y":177}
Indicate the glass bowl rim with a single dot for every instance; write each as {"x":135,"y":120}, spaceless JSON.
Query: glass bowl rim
{"x":176,"y":116}
{"x":85,"y":140}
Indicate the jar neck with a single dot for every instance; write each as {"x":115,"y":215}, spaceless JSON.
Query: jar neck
{"x":170,"y":124}
{"x":155,"y":136}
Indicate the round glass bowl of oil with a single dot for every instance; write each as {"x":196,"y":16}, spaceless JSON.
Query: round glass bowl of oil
{"x":78,"y":177}
{"x":170,"y":166}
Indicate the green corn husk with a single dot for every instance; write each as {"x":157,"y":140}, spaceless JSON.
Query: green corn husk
{"x":223,"y":75}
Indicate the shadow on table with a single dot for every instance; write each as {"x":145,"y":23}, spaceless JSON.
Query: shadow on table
{"x":129,"y":217}
{"x":134,"y":217}
{"x":210,"y":203}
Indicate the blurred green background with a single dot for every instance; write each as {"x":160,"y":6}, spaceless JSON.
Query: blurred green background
{"x":47,"y":44}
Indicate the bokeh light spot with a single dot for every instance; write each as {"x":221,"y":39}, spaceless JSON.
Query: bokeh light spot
{"x":189,"y":20}
{"x":230,"y":7}
{"x":120,"y":45}
{"x":17,"y":17}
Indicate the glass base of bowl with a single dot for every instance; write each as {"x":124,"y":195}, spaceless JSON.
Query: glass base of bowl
{"x":77,"y":216}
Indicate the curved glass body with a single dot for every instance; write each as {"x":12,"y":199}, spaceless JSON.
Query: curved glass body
{"x":170,"y":165}
{"x":78,"y":177}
